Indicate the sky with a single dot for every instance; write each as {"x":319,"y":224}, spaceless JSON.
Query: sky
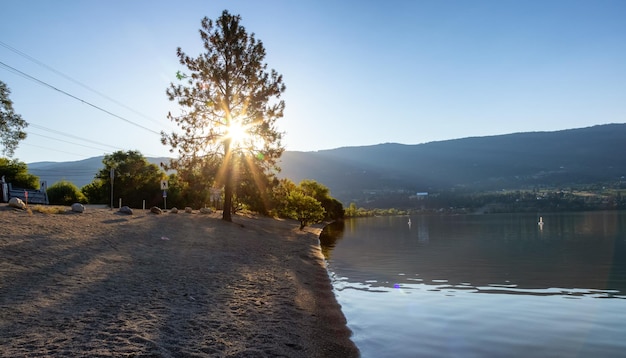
{"x":90,"y":76}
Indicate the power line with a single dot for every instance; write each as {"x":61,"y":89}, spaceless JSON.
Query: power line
{"x":66,"y":141}
{"x":52,"y":149}
{"x":67,"y":77}
{"x":62,"y":171}
{"x":27,"y":76}
{"x":70,"y":136}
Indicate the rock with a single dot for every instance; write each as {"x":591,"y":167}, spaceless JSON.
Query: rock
{"x":17,"y":203}
{"x":188,"y":210}
{"x":174,"y":210}
{"x":78,"y":208}
{"x":156,"y":210}
{"x":126,"y":210}
{"x":206,"y":211}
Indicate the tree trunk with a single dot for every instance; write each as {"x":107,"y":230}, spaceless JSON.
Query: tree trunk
{"x":228,"y":185}
{"x":228,"y":201}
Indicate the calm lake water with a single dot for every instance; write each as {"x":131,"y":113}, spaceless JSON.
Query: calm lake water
{"x":482,"y":285}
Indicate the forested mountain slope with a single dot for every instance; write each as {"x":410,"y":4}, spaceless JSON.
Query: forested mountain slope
{"x":586,"y":155}
{"x":521,"y":160}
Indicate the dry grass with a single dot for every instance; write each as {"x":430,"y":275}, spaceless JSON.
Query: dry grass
{"x":47,"y":209}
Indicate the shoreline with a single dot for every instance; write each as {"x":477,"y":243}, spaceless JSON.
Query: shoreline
{"x":105,"y":284}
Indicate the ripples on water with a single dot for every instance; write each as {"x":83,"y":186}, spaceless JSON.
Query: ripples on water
{"x":483,"y":286}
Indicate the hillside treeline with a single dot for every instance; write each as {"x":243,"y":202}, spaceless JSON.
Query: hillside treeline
{"x":608,"y":196}
{"x":128,"y":177}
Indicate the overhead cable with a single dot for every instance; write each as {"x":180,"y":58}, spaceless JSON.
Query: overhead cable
{"x":67,"y":77}
{"x":27,"y":76}
{"x":66,"y":141}
{"x":34,"y":125}
{"x":55,"y":150}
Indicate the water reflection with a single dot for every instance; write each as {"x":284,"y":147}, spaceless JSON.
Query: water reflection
{"x":419,"y":291}
{"x":570,"y":255}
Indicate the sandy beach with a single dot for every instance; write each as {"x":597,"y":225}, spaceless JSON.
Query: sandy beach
{"x":102,"y":284}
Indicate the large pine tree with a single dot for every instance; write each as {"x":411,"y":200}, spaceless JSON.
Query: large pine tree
{"x":229,"y":103}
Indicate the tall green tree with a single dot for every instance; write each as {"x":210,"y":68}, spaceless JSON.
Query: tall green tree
{"x":11,"y":124}
{"x":135,"y":179}
{"x":229,"y":104}
{"x":16,"y":173}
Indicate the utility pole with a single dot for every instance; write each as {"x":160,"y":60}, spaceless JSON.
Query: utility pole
{"x":112,"y":174}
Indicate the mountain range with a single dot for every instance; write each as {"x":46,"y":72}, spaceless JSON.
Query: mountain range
{"x":513,"y":161}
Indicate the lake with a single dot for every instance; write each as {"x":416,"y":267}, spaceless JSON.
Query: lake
{"x":498,"y":285}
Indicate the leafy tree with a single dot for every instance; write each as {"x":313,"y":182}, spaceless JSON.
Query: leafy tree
{"x":191,"y":184}
{"x":16,"y":173}
{"x":321,"y":193}
{"x":65,"y":193}
{"x":305,"y":202}
{"x":304,"y":208}
{"x":135,"y":179}
{"x":229,"y":104}
{"x":11,"y":124}
{"x":97,"y":192}
{"x":351,"y":212}
{"x":280,"y":193}
{"x":254,"y":189}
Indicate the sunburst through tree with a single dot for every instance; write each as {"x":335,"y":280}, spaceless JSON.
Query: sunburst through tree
{"x":229,"y":103}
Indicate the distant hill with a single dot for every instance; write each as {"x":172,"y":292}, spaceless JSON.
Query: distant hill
{"x":521,"y":160}
{"x":81,"y":172}
{"x":586,"y":155}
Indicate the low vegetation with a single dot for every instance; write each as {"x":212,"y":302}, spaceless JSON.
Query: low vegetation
{"x":135,"y":180}
{"x":65,"y":193}
{"x":48,"y":209}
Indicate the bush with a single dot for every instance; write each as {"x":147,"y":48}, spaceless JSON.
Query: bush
{"x":65,"y":193}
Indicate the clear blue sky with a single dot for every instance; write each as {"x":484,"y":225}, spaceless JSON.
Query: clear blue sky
{"x":357,"y":72}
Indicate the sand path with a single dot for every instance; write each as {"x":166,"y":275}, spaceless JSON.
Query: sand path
{"x":103,"y":284}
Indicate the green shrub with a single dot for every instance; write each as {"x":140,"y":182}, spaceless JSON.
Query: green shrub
{"x":65,"y":193}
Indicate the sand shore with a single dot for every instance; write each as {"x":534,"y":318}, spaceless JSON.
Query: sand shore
{"x":103,"y":284}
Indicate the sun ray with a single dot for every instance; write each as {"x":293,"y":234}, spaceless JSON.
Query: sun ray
{"x":238,"y":133}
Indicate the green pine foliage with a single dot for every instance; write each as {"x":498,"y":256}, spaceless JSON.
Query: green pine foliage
{"x":229,"y":104}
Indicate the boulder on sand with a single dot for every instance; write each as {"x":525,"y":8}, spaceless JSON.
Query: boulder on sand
{"x":156,"y":210}
{"x":126,"y":210}
{"x":17,"y":203}
{"x":78,"y":208}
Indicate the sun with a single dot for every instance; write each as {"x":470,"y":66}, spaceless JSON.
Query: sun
{"x":237,"y":132}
